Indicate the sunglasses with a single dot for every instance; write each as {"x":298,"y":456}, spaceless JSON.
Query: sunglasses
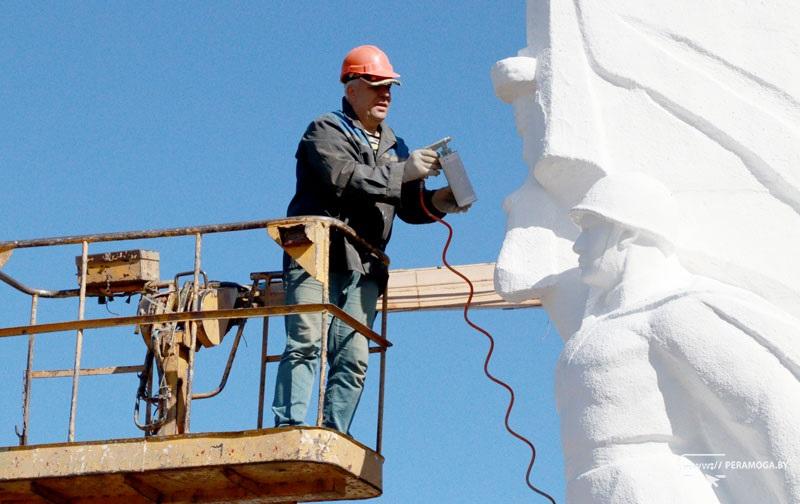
{"x":371,"y":79}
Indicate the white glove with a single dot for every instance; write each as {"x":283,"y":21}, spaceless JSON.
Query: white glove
{"x":420,"y":164}
{"x":444,"y":201}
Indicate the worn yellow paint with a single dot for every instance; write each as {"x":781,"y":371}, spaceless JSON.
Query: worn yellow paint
{"x":308,"y":244}
{"x":122,"y":271}
{"x":211,"y":332}
{"x":271,"y":465}
{"x":5,"y":255}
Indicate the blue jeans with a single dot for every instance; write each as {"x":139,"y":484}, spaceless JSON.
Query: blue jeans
{"x":348,"y":351}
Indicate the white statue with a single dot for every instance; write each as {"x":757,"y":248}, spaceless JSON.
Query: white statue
{"x":668,"y":367}
{"x":701,"y":97}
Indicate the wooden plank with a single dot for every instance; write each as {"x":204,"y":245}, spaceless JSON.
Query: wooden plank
{"x":433,"y":289}
{"x":440,"y":289}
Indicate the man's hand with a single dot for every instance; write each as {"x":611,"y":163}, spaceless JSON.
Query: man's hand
{"x":444,"y":201}
{"x":421,"y":164}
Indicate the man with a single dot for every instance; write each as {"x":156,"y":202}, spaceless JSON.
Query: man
{"x":350,"y":166}
{"x":671,"y":372}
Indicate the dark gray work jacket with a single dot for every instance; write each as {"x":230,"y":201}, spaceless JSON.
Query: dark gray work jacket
{"x":339,"y":175}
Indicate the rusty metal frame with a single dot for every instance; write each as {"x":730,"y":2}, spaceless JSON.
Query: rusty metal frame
{"x":193,"y":230}
{"x":191,"y":318}
{"x":264,"y":356}
{"x":228,"y":366}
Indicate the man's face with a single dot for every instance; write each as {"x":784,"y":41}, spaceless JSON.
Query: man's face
{"x":370,"y":103}
{"x":600,"y":259}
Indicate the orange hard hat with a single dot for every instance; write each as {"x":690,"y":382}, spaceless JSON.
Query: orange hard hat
{"x":367,"y":60}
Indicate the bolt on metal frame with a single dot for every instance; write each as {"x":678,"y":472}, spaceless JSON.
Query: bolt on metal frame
{"x":321,"y":226}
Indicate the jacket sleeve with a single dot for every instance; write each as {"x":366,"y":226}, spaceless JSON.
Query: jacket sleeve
{"x":410,"y":210}
{"x":337,"y":160}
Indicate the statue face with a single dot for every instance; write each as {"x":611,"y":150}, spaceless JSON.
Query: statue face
{"x":601,"y":259}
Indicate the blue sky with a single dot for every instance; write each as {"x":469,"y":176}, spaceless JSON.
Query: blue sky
{"x":121,"y":116}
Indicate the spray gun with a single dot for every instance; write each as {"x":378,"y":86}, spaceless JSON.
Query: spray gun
{"x":455,"y":172}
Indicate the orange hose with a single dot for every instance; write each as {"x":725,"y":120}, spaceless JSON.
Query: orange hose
{"x":491,"y":347}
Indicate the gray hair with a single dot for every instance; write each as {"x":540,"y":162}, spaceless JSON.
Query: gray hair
{"x":348,"y":84}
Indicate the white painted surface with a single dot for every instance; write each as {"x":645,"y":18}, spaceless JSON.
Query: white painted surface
{"x":681,"y":321}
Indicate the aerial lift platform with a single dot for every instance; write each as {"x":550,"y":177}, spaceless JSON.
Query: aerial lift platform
{"x":170,"y":463}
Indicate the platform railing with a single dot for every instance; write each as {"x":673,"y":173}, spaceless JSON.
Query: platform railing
{"x":316,"y":228}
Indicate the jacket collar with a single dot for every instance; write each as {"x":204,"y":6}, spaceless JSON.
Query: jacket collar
{"x":387,"y":135}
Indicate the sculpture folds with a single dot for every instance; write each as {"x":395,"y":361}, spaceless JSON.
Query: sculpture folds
{"x":669,"y":132}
